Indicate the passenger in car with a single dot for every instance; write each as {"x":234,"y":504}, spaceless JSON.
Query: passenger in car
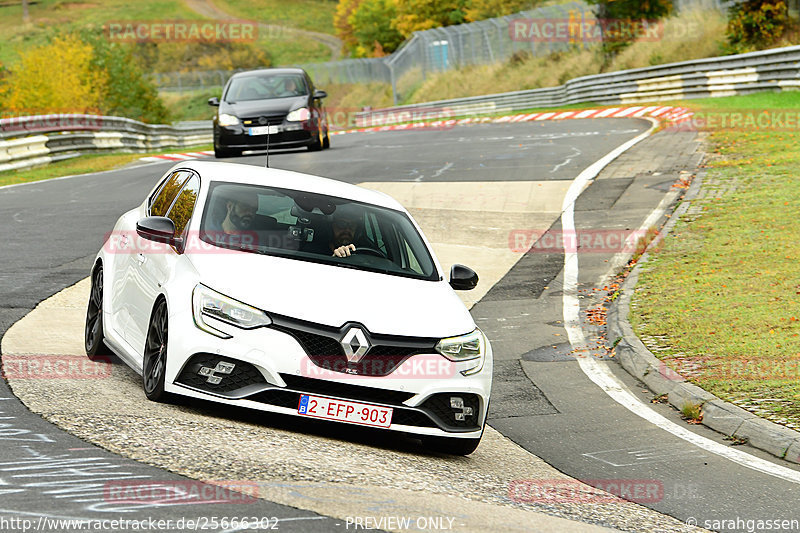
{"x":234,"y":217}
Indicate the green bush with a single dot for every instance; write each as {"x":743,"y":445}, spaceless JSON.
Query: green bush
{"x":756,"y":24}
{"x":128,"y":91}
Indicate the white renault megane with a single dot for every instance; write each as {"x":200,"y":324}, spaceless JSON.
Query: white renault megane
{"x":294,"y":294}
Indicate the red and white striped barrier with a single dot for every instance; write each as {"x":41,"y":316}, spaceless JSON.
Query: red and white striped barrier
{"x":662,"y":113}
{"x":179,"y":157}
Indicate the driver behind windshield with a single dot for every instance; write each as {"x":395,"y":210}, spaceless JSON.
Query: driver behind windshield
{"x":339,"y":238}
{"x":343,"y":230}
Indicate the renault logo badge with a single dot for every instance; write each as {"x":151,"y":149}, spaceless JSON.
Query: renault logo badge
{"x":355,"y":344}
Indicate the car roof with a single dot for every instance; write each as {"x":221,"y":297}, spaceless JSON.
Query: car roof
{"x":287,"y":179}
{"x":261,"y":71}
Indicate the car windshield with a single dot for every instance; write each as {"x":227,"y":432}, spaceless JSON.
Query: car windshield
{"x":265,"y":86}
{"x":308,"y":227}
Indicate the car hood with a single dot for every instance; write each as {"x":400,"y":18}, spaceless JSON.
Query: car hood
{"x":333,"y":296}
{"x":263,"y":107}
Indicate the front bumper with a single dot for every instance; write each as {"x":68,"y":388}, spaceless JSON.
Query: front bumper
{"x":271,"y":371}
{"x":289,"y":135}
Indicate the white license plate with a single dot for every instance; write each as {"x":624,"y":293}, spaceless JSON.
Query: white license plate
{"x":344,"y":411}
{"x":263,"y":130}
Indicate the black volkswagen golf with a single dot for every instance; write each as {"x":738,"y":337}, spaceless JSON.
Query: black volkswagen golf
{"x":281,"y":101}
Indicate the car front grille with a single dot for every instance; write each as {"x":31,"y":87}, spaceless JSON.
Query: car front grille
{"x":263,"y":120}
{"x":347,"y":391}
{"x":323,"y":346}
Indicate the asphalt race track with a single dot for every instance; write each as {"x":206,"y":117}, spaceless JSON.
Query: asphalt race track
{"x":459,"y":184}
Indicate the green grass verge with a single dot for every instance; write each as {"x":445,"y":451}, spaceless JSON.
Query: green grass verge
{"x":50,"y":16}
{"x":314,"y":15}
{"x":84,"y":164}
{"x":719,"y":301}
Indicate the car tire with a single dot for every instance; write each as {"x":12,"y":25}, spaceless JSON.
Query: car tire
{"x":326,"y":143}
{"x":154,"y":363}
{"x":450,"y":445}
{"x":93,"y":336}
{"x":221,"y":153}
{"x":316,"y":144}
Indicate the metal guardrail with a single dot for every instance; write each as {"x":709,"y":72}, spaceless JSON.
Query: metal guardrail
{"x":29,"y":141}
{"x":42,"y":139}
{"x":776,"y":69}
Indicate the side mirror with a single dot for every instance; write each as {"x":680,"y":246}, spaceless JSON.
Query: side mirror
{"x":463,"y":278}
{"x":320,"y":94}
{"x":158,"y":229}
{"x":213,"y":101}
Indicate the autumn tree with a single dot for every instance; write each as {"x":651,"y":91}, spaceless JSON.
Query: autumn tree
{"x":81,"y":73}
{"x":418,"y":15}
{"x":341,"y":21}
{"x":486,"y":9}
{"x":373,"y":27}
{"x":756,"y":24}
{"x":623,"y":21}
{"x":128,"y":91}
{"x":56,"y":77}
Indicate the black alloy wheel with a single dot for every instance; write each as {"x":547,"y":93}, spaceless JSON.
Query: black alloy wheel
{"x":93,"y":332}
{"x":155,"y":355}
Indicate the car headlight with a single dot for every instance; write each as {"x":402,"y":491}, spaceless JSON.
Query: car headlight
{"x":225,"y":119}
{"x":299,"y":115}
{"x":209,"y":303}
{"x":469,"y":347}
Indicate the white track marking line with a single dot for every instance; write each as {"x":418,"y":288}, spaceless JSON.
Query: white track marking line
{"x":597,"y":370}
{"x":442,"y":170}
{"x":575,"y":152}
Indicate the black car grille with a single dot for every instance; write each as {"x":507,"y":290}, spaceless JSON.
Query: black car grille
{"x":345,"y":390}
{"x":322,"y":345}
{"x":243,"y":374}
{"x":316,"y":345}
{"x":439,"y":406}
{"x":263,"y":120}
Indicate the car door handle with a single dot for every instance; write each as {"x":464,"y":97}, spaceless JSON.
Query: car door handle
{"x":141,"y":258}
